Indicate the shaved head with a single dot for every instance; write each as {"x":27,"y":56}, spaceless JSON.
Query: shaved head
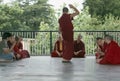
{"x":108,"y":37}
{"x":99,"y":38}
{"x":65,"y":10}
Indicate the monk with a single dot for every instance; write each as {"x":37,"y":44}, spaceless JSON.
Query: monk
{"x":101,"y":47}
{"x":10,"y":43}
{"x":112,"y":53}
{"x":66,"y":29}
{"x":18,"y":49}
{"x":58,"y":48}
{"x":6,"y":53}
{"x":79,"y":48}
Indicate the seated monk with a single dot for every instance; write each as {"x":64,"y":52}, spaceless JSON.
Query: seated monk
{"x":10,"y":43}
{"x":18,"y":49}
{"x":79,"y":48}
{"x":58,"y":48}
{"x":112,"y":53}
{"x":101,"y":47}
{"x":6,"y":53}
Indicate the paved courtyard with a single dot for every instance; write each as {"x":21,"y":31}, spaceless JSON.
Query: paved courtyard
{"x":45,"y":68}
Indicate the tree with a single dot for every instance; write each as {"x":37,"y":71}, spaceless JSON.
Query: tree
{"x":26,"y":15}
{"x":35,"y":12}
{"x":85,"y":21}
{"x":10,"y":18}
{"x":103,"y":7}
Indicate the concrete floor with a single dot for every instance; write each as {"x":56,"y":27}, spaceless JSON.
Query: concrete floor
{"x":45,"y":68}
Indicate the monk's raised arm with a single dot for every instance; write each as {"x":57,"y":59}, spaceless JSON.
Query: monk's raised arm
{"x":75,"y":9}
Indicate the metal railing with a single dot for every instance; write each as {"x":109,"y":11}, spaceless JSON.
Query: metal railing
{"x":41,"y":43}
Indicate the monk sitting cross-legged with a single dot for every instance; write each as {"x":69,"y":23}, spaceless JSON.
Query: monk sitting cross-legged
{"x":58,"y":48}
{"x":79,"y":48}
{"x":112,"y":53}
{"x":20,"y":53}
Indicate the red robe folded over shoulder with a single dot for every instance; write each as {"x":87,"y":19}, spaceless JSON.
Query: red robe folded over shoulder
{"x":57,"y":48}
{"x":112,"y":54}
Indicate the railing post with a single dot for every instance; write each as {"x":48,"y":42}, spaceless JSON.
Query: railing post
{"x":105,"y":33}
{"x":50,"y":42}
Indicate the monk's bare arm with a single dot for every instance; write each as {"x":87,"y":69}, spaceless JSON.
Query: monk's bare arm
{"x":8,"y":50}
{"x":75,"y":9}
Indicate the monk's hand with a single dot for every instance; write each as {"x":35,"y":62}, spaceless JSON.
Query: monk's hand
{"x":102,"y":53}
{"x":98,"y":60}
{"x":75,"y":53}
{"x":59,"y":54}
{"x":18,"y":56}
{"x":71,"y":6}
{"x":79,"y":51}
{"x":96,"y":50}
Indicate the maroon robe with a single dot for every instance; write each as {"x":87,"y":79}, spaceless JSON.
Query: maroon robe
{"x":103,"y":49}
{"x":77,"y":47}
{"x":112,"y":54}
{"x":57,"y":47}
{"x":18,"y":49}
{"x":66,"y":28}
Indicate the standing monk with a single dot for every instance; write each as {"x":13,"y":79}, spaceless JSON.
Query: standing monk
{"x":66,"y":28}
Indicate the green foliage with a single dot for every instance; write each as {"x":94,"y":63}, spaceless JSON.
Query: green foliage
{"x":103,"y":7}
{"x":9,"y":18}
{"x":33,"y":15}
{"x":86,"y":22}
{"x":25,"y":15}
